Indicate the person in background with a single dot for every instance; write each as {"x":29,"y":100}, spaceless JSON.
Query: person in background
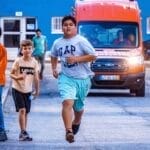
{"x":40,"y":47}
{"x":25,"y":75}
{"x":74,"y":81}
{"x":131,"y":39}
{"x":3,"y":65}
{"x":120,"y":40}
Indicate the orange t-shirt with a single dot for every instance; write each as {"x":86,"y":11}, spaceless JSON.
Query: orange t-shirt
{"x":3,"y":64}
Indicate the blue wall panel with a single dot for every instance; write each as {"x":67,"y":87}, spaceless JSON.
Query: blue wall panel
{"x":145,"y":12}
{"x":43,"y":10}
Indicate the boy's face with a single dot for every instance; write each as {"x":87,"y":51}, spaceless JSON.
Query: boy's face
{"x":38,"y":33}
{"x":69,"y":29}
{"x":27,"y":50}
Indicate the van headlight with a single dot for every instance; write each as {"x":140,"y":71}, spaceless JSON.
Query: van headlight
{"x":136,"y":60}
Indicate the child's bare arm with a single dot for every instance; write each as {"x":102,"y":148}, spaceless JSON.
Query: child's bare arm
{"x":54,"y":62}
{"x":37,"y":84}
{"x":16,"y":77}
{"x":80,"y":59}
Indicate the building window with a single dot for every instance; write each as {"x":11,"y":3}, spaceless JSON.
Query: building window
{"x":148,"y":25}
{"x":56,"y":26}
{"x":11,"y":25}
{"x":30,"y":24}
{"x":11,"y":41}
{"x":30,"y":36}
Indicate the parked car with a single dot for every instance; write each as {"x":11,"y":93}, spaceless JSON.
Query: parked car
{"x":146,"y":46}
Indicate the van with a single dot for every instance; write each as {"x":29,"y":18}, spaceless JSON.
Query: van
{"x":114,"y":29}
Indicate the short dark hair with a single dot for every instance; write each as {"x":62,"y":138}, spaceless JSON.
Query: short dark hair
{"x":26,"y":43}
{"x":38,"y":30}
{"x":0,"y":31}
{"x":65,"y":18}
{"x":119,"y":31}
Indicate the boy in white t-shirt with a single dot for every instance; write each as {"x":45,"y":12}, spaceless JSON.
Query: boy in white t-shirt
{"x":75,"y":53}
{"x":24,"y":73}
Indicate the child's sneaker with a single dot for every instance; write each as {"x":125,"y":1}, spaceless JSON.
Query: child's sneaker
{"x":24,"y":136}
{"x":69,"y":136}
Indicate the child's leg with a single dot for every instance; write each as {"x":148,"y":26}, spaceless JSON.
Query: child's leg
{"x":26,"y":119}
{"x":77,"y":117}
{"x":67,"y":114}
{"x":23,"y":136}
{"x":22,"y":119}
{"x":68,"y":94}
{"x":82,"y":91}
{"x":77,"y":121}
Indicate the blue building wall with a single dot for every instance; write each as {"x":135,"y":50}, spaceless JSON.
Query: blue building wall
{"x":43,"y":10}
{"x":145,"y":12}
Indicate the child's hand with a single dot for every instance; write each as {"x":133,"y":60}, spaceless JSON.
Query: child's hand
{"x":35,"y":94}
{"x":71,"y":59}
{"x":21,"y":77}
{"x":55,"y":73}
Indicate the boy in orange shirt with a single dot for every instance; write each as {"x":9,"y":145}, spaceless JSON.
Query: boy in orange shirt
{"x":3,"y":64}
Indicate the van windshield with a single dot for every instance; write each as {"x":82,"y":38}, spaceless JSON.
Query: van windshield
{"x":110,"y":34}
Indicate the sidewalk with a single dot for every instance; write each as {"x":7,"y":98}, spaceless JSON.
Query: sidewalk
{"x":109,"y":122}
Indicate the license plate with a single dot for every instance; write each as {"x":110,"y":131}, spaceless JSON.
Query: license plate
{"x":109,"y":77}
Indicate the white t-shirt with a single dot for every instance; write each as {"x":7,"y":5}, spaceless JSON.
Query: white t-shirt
{"x":75,"y":46}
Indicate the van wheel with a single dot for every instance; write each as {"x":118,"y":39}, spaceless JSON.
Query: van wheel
{"x":140,"y":92}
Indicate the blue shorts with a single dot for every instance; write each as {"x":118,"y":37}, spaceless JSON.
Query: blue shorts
{"x":74,"y":89}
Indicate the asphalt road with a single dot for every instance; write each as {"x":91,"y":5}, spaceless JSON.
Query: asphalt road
{"x":111,"y":121}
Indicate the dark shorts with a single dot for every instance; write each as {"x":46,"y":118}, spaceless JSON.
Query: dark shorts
{"x":21,"y":100}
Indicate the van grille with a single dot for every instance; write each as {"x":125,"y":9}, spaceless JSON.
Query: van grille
{"x":109,"y":65}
